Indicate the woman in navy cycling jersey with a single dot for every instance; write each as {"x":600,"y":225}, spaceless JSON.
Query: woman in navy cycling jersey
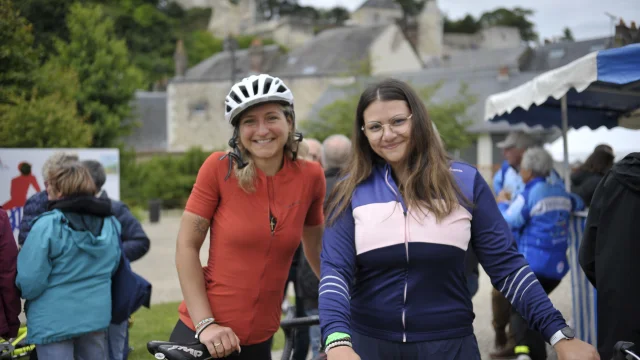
{"x":399,"y":223}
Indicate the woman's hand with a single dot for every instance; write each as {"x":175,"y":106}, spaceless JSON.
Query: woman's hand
{"x":220,"y":341}
{"x":342,"y":353}
{"x":575,"y":349}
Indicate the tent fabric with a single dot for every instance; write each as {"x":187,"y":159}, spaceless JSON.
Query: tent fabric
{"x":601,"y":89}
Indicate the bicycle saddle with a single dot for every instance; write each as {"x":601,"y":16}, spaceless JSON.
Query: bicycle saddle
{"x":164,"y":350}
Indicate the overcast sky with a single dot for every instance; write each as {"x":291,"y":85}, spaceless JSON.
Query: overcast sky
{"x":586,"y":18}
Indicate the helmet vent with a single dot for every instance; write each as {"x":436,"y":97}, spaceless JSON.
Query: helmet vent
{"x":235,"y":97}
{"x":244,"y":91}
{"x":282,"y":89}
{"x":267,"y":85}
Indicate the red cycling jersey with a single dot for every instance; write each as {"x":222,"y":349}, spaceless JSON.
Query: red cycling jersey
{"x":249,"y":263}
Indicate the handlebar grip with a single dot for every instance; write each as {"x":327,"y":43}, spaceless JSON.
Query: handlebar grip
{"x":302,"y":321}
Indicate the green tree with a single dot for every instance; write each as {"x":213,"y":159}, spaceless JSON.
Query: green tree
{"x":516,"y":17}
{"x":42,"y":121}
{"x":567,"y":35}
{"x":411,"y":8}
{"x":449,"y":116}
{"x":106,"y":77}
{"x":18,"y":58}
{"x":466,"y":25}
{"x":37,"y":104}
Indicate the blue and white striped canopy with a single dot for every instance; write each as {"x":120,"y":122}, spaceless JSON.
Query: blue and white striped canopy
{"x":602,"y":89}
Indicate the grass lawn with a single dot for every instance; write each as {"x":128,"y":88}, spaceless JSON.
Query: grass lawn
{"x":157,"y":323}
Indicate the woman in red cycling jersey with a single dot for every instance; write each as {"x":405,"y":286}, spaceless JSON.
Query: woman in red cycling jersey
{"x":256,"y":202}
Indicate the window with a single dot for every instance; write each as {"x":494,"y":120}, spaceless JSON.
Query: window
{"x":309,"y":70}
{"x":199,"y":108}
{"x":556,"y":54}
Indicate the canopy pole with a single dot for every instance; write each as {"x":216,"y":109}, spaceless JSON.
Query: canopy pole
{"x":565,"y":129}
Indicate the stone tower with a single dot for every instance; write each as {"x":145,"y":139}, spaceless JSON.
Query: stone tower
{"x":430,"y":31}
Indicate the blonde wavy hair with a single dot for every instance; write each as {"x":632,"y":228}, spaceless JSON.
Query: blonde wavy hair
{"x":71,"y":179}
{"x":247,"y":175}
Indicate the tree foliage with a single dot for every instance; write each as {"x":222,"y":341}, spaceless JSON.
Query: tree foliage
{"x":567,"y":35}
{"x":37,"y":103}
{"x":450,"y":116}
{"x":18,"y":58}
{"x":516,"y":17}
{"x":107,"y":79}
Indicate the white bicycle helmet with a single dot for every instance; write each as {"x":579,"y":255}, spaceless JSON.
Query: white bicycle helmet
{"x":253,"y":90}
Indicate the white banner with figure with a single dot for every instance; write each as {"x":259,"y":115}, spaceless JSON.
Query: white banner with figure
{"x":21,"y":176}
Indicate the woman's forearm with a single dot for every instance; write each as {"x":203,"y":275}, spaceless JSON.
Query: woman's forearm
{"x":192,"y":284}
{"x":193,"y":230}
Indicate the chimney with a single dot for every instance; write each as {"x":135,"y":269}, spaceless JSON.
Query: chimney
{"x":626,"y":35}
{"x":256,"y":56}
{"x":503,"y":74}
{"x":180,"y":58}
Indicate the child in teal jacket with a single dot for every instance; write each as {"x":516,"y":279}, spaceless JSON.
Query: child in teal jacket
{"x":65,"y":269}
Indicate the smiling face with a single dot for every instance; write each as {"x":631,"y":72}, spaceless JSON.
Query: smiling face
{"x":264,"y":130}
{"x":387,"y":125}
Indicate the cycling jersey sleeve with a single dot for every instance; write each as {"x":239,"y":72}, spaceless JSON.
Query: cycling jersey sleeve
{"x":315,"y":215}
{"x":337,"y":268}
{"x":508,"y":269}
{"x":203,"y":200}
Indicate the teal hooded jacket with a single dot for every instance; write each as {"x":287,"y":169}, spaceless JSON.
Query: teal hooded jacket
{"x":65,"y":269}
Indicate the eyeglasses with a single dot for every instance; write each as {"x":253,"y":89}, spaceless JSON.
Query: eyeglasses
{"x":375,"y":129}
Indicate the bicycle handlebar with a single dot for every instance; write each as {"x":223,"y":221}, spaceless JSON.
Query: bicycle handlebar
{"x":298,"y":322}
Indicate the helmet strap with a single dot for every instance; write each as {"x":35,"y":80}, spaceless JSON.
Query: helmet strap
{"x":234,"y":155}
{"x":297,"y":138}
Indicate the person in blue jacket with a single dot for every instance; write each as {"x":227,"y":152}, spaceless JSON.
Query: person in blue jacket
{"x":540,"y":215}
{"x":392,"y":282}
{"x":135,"y":245}
{"x":65,"y":269}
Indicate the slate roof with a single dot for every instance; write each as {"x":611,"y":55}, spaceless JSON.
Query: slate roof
{"x":380,"y":4}
{"x":484,"y":58}
{"x":333,"y":51}
{"x":551,"y":56}
{"x":218,"y":66}
{"x":150,"y":110}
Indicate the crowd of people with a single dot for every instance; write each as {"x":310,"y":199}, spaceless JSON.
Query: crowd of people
{"x":72,"y":266}
{"x":381,"y":235}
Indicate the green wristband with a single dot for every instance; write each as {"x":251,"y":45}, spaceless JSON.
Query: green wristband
{"x":336,"y":336}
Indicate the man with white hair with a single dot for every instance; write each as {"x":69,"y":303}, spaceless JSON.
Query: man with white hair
{"x":335,"y":151}
{"x":37,"y":204}
{"x":540,"y":215}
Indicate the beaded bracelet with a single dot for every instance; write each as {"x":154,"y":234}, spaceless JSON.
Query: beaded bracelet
{"x":337,"y":343}
{"x":200,"y":330}
{"x":205,"y":321}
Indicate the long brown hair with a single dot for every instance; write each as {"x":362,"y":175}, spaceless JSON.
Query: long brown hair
{"x":430,"y":186}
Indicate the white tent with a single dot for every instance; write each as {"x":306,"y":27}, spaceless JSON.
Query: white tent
{"x":581,"y":143}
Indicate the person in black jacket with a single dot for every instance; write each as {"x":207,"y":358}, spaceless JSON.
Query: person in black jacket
{"x":135,"y":244}
{"x":335,"y":154}
{"x":610,"y":254}
{"x":586,"y":178}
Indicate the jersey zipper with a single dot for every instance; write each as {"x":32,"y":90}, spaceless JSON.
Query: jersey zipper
{"x":273,"y":221}
{"x":406,"y":248}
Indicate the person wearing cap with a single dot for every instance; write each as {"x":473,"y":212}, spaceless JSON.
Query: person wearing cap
{"x":255,"y":202}
{"x":507,"y":183}
{"x":507,"y":180}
